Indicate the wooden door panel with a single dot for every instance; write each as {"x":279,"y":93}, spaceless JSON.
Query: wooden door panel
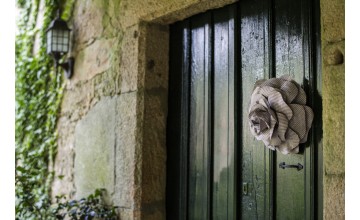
{"x":224,"y":145}
{"x":292,"y":58}
{"x":199,"y":157}
{"x":255,"y":159}
{"x":178,"y":122}
{"x":216,"y":168}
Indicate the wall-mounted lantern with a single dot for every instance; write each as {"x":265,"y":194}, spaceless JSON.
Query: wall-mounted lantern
{"x":58,"y":41}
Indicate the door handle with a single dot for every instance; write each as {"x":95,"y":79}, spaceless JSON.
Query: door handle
{"x":298,"y":166}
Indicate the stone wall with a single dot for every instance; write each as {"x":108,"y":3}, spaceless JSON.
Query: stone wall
{"x":333,"y":89}
{"x":113,"y":114}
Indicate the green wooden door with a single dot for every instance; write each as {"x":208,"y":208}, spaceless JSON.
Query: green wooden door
{"x":216,"y":169}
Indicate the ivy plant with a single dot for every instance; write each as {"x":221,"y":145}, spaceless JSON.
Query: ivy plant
{"x":38,"y":94}
{"x":39,"y":89}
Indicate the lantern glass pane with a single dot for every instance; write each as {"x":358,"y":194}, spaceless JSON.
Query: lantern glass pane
{"x":64,"y":48}
{"x":49,"y":42}
{"x":57,"y":40}
{"x":53,"y":41}
{"x":60,"y":40}
{"x":66,"y":41}
{"x":57,"y":36}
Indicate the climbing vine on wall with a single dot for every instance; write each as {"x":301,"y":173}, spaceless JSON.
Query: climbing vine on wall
{"x":38,"y":97}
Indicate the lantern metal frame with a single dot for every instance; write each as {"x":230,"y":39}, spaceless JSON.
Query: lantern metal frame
{"x":60,"y":25}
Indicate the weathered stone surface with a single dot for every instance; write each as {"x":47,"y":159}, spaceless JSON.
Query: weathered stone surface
{"x":87,"y":22}
{"x":164,"y":11}
{"x":153,"y":182}
{"x":335,"y":57}
{"x":157,"y":56}
{"x":334,"y":117}
{"x":333,"y":74}
{"x":111,"y":19}
{"x":95,"y":149}
{"x":129,"y":214}
{"x":129,"y":64}
{"x":334,"y":197}
{"x":95,"y":19}
{"x":63,"y":183}
{"x":332,"y":20}
{"x":153,"y":211}
{"x":126,"y":140}
{"x":106,"y":84}
{"x":334,"y":53}
{"x":154,"y":155}
{"x":334,"y":146}
{"x":94,"y":59}
{"x":137,"y":200}
{"x":77,"y":100}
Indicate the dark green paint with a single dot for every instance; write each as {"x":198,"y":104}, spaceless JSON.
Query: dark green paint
{"x":254,"y":59}
{"x":224,"y":115}
{"x":177,"y":124}
{"x":216,"y":168}
{"x":199,"y":136}
{"x":292,"y":58}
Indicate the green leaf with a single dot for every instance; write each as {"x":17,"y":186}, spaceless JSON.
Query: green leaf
{"x":20,"y":169}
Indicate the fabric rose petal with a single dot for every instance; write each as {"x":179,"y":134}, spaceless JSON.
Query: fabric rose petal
{"x":278,"y":114}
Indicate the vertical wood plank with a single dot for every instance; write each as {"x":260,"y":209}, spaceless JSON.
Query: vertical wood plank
{"x":177,"y":124}
{"x":256,"y":165}
{"x":291,"y":57}
{"x":224,"y":157}
{"x":199,"y":119}
{"x":308,"y":83}
{"x":232,"y":115}
{"x":184,"y":141}
{"x":317,"y":107}
{"x":221,"y":117}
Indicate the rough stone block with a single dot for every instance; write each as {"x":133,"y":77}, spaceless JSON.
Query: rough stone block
{"x":111,"y":19}
{"x":154,"y":148}
{"x":126,"y":214}
{"x":333,"y":80}
{"x":334,"y":136}
{"x":77,"y":97}
{"x":164,"y":11}
{"x":332,"y":20}
{"x":334,"y":118}
{"x":157,"y":56}
{"x":334,"y":53}
{"x":93,"y":60}
{"x":88,"y":24}
{"x":95,"y":149}
{"x":63,"y":183}
{"x":153,"y":211}
{"x":334,"y":197}
{"x":106,"y":84}
{"x":129,"y":214}
{"x":130,"y":59}
{"x":126,"y":140}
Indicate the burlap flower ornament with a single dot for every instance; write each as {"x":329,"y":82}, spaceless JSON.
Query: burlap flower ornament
{"x":278,"y":114}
